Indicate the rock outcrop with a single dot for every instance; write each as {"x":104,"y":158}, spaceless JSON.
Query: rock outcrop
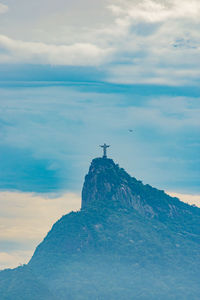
{"x":107,"y":184}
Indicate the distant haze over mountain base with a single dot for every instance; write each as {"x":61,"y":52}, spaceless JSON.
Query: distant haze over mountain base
{"x":24,"y":207}
{"x":187,"y":198}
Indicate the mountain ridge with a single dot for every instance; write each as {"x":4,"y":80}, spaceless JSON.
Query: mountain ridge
{"x":115,"y":184}
{"x":125,"y":234}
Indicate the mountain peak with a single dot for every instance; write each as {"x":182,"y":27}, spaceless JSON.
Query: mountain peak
{"x":106,"y":184}
{"x":102,"y":162}
{"x":102,"y":182}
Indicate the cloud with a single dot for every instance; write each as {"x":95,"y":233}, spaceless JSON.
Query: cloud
{"x":159,"y":45}
{"x":25,"y":219}
{"x":145,"y":42}
{"x":187,"y":198}
{"x":156,"y":42}
{"x":156,"y":11}
{"x":33,"y":52}
{"x":54,"y":133}
{"x":3,"y":8}
{"x":14,"y":259}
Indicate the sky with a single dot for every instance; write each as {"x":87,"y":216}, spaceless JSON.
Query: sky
{"x":76,"y":74}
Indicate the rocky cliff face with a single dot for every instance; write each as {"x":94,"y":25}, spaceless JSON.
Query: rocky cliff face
{"x":107,"y":184}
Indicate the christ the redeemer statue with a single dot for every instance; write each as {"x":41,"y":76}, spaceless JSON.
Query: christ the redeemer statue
{"x":104,"y":149}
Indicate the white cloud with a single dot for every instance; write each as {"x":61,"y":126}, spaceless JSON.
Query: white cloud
{"x":25,"y":219}
{"x":187,"y":198}
{"x":147,"y":41}
{"x":14,"y":259}
{"x":3,"y":8}
{"x":33,"y":52}
{"x":160,"y":42}
{"x":156,"y":11}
